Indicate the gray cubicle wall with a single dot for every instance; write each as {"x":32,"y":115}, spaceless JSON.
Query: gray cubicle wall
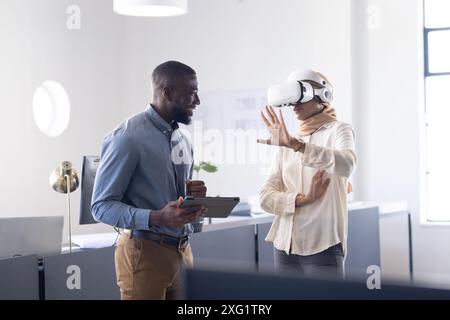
{"x":86,"y":274}
{"x":19,"y":279}
{"x":265,"y":249}
{"x":363,"y":243}
{"x":395,"y":246}
{"x":233,"y":247}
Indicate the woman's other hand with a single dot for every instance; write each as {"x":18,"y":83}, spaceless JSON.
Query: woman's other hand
{"x":316,"y":190}
{"x":299,"y":200}
{"x":318,"y":187}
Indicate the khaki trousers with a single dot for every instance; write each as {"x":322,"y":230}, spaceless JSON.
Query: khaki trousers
{"x":147,"y":270}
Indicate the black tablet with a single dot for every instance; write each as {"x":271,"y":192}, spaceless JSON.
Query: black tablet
{"x":218,"y":207}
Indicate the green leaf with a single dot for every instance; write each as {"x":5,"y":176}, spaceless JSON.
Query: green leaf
{"x":208,"y":167}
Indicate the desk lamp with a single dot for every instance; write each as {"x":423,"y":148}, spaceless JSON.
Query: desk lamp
{"x":64,"y":179}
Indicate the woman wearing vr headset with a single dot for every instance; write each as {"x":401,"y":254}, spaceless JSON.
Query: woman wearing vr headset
{"x":308,"y":184}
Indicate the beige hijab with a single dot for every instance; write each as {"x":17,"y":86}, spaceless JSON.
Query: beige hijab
{"x":328,"y":114}
{"x":313,"y":123}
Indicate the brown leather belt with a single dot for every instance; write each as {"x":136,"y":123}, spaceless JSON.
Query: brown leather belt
{"x":178,"y":243}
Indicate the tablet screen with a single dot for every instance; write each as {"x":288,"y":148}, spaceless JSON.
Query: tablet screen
{"x":218,"y":207}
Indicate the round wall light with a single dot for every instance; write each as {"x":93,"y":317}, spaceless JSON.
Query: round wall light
{"x":51,"y":108}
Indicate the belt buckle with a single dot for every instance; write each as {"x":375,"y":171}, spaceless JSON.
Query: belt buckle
{"x":161,"y":240}
{"x":183,"y":243}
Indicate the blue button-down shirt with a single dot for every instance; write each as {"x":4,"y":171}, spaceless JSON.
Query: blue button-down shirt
{"x":144,"y":164}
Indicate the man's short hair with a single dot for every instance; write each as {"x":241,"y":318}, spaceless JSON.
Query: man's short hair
{"x":166,"y":72}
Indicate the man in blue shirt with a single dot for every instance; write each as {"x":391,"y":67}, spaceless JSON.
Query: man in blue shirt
{"x":145,"y":168}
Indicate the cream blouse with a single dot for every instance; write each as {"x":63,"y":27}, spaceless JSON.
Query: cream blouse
{"x":315,"y":227}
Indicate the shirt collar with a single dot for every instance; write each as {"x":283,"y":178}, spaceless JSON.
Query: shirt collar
{"x":160,"y":123}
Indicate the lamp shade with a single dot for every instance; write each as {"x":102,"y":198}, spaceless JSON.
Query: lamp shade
{"x":58,"y":181}
{"x":150,"y":8}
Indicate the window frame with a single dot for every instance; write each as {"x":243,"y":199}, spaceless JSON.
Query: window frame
{"x":426,"y":32}
{"x":428,"y":74}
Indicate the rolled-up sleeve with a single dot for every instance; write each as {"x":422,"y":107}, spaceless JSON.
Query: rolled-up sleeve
{"x":118,"y":162}
{"x":273,"y":197}
{"x":340,"y":160}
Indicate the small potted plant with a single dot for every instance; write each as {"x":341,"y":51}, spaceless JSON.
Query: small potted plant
{"x":207,"y":167}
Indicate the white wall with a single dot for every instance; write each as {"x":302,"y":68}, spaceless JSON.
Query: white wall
{"x":387,"y":111}
{"x":235,"y":45}
{"x":37,"y":46}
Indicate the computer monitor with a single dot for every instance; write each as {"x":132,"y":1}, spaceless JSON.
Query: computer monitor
{"x":89,"y":170}
{"x":23,"y":236}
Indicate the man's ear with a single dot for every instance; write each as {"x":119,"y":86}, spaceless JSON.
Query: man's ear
{"x":167,"y":93}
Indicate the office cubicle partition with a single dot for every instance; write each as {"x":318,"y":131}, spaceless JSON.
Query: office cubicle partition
{"x":87,"y":274}
{"x":19,"y":278}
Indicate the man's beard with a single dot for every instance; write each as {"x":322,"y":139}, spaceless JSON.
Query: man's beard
{"x":182,"y":115}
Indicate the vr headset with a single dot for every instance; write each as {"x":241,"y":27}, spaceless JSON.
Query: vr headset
{"x":296,"y":90}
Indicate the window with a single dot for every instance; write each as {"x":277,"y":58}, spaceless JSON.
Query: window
{"x":437,"y":109}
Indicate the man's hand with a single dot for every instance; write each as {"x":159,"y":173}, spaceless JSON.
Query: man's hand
{"x":195,"y":188}
{"x":174,"y":216}
{"x":317,"y":188}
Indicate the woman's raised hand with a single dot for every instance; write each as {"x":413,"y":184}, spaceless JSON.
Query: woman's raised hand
{"x":279,"y":136}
